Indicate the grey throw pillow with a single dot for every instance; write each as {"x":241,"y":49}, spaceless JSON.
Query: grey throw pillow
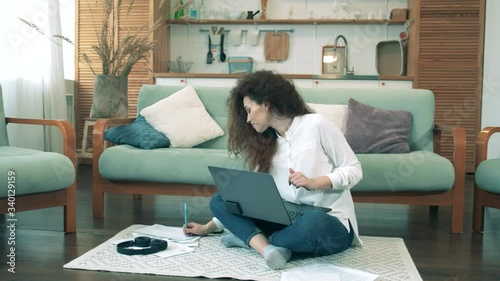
{"x":375,"y":130}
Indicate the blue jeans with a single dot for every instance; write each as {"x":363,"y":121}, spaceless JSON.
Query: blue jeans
{"x":312,"y":232}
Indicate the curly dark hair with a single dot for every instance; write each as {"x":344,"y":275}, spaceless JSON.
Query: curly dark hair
{"x":283,"y":99}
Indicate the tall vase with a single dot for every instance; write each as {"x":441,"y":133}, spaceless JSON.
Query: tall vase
{"x":110,"y":97}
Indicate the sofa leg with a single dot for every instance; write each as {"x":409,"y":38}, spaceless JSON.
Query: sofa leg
{"x":477,"y":211}
{"x":69,"y":219}
{"x":70,"y":210}
{"x":433,"y":210}
{"x":98,"y":204}
{"x":457,"y":219}
{"x":478,"y":219}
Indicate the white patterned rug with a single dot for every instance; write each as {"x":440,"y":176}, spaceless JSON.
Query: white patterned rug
{"x":386,"y":257}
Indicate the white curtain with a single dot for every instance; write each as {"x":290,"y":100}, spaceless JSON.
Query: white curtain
{"x":31,"y":71}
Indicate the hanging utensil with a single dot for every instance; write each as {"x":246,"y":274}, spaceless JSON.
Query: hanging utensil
{"x":210,"y":56}
{"x":222,"y":56}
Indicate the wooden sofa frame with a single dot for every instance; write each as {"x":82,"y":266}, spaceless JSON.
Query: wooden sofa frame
{"x":453,"y":198}
{"x":64,"y":197}
{"x":483,"y":198}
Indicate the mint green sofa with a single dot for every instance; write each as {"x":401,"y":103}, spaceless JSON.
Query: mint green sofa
{"x":33,"y":179}
{"x":421,"y":177}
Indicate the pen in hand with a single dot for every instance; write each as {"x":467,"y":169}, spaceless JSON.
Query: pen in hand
{"x":186,"y":217}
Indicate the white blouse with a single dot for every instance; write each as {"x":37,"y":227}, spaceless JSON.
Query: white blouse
{"x":315,"y":146}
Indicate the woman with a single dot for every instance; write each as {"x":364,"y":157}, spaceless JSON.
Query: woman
{"x":271,"y":126}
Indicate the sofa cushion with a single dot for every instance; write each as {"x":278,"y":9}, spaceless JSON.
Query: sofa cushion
{"x":374,"y":130}
{"x":487,"y":176}
{"x":337,"y":113}
{"x":182,"y":117}
{"x":138,"y":133}
{"x":404,"y":172}
{"x":173,"y":165}
{"x":33,"y":174}
{"x":419,"y":102}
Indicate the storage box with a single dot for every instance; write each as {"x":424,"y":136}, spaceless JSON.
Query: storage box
{"x":240,"y":64}
{"x":399,"y":14}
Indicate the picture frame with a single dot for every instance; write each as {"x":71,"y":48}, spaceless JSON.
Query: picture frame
{"x":332,"y":62}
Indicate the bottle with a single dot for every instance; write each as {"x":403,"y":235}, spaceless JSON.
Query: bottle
{"x":202,"y":11}
{"x":193,"y":10}
{"x":179,"y":13}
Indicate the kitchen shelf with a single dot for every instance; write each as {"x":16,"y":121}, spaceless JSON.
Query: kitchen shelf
{"x":289,"y":76}
{"x":289,"y":21}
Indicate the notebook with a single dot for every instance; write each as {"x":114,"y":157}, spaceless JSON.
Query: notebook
{"x":255,"y":195}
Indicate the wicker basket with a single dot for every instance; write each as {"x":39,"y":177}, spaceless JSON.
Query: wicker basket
{"x":399,"y":14}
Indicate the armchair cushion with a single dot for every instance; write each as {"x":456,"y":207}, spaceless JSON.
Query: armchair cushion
{"x":374,"y":130}
{"x":487,"y":176}
{"x":138,"y":133}
{"x":35,"y":171}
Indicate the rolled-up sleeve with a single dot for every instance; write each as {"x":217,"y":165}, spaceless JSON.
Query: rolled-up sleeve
{"x":347,"y":170}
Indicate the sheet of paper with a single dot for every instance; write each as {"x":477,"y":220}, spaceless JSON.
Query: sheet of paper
{"x":174,"y":249}
{"x":326,"y":272}
{"x":162,"y":231}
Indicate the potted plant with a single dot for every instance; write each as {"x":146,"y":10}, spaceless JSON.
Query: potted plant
{"x":116,"y":54}
{"x":117,"y":58}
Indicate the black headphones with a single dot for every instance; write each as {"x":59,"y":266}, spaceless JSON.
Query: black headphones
{"x":150,"y":246}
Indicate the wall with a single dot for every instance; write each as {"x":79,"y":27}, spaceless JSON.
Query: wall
{"x":491,"y":84}
{"x":491,"y":81}
{"x":306,"y":42}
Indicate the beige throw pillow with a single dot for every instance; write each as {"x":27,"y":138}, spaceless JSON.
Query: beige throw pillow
{"x":182,"y":117}
{"x":337,"y":113}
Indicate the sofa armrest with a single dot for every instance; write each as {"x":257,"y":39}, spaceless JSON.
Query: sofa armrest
{"x":459,"y":140}
{"x":482,"y":140}
{"x":67,"y":131}
{"x":459,"y":145}
{"x":458,"y":190}
{"x":100,"y":127}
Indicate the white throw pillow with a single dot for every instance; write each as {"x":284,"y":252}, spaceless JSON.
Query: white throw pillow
{"x":182,"y":117}
{"x":337,"y":113}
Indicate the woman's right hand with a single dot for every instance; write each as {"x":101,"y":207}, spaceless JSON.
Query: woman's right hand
{"x":196,"y":229}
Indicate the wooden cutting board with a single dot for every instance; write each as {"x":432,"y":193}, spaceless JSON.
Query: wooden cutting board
{"x":276,"y":46}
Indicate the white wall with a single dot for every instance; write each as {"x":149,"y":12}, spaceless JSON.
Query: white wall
{"x":491,"y":83}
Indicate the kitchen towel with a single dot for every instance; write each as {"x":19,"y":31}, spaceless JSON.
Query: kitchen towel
{"x":253,"y":37}
{"x":235,"y":37}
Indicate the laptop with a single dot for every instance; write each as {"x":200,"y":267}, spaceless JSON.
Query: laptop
{"x":255,"y":195}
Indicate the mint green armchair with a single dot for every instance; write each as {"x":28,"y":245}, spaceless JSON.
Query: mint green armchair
{"x":33,"y":179}
{"x":487,"y":179}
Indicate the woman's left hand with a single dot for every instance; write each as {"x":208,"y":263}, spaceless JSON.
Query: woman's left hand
{"x":298,"y":179}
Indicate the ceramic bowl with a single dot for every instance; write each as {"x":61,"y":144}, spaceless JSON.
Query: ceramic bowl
{"x":235,"y":15}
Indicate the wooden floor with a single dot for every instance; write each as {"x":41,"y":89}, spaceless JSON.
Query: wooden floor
{"x":42,"y":248}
